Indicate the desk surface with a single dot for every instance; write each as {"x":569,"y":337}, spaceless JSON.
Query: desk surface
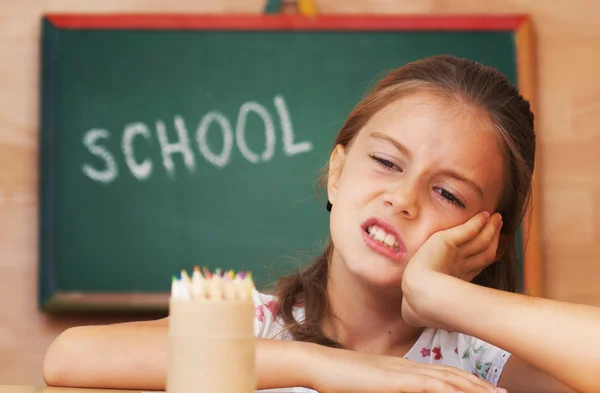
{"x":48,"y":389}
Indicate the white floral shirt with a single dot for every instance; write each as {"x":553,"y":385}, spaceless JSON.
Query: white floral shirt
{"x":434,"y":346}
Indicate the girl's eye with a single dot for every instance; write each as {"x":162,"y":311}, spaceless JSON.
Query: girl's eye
{"x":385,"y":164}
{"x":448,"y":197}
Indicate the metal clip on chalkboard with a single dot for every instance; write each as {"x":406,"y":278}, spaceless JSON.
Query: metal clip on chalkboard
{"x":303,"y":7}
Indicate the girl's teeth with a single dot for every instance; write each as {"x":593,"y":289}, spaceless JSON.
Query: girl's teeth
{"x":390,"y":240}
{"x":381,"y":236}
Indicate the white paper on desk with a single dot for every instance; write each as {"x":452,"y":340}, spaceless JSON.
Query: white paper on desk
{"x":288,"y":390}
{"x":282,"y":390}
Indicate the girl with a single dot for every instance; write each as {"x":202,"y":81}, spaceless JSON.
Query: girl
{"x":393,"y":303}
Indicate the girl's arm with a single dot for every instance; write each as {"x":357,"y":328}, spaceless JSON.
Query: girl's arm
{"x":560,"y":339}
{"x":134,"y":356}
{"x":124,"y":356}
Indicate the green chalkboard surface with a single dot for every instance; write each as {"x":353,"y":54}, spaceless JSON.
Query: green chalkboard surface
{"x":173,"y":141}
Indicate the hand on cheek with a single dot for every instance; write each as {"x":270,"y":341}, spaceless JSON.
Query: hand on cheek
{"x":462,"y":252}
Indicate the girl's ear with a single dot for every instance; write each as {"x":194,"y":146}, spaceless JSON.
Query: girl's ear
{"x":336,"y":164}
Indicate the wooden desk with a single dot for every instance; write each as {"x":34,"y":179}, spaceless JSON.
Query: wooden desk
{"x":48,"y":389}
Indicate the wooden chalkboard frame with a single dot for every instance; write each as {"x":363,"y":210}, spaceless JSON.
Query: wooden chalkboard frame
{"x":51,"y":299}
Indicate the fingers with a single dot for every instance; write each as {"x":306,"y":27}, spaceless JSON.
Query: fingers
{"x":470,"y":377}
{"x":462,"y":234}
{"x":486,"y":240}
{"x":461,"y":381}
{"x":421,"y":383}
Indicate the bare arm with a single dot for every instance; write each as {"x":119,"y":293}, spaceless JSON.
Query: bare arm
{"x":126,"y":356}
{"x":134,"y":356}
{"x":558,"y":338}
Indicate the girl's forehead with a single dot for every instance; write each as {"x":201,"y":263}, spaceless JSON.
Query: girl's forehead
{"x":426,"y":121}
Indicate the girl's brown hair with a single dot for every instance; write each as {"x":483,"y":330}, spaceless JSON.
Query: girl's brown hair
{"x":460,"y":81}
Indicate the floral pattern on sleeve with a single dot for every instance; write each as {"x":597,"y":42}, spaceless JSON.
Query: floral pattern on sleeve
{"x":480,"y":368}
{"x":267,"y":319}
{"x":437,"y":346}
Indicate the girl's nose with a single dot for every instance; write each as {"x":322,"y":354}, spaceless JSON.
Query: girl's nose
{"x":403,"y":199}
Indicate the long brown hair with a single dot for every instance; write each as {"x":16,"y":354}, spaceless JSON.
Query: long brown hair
{"x":458,"y":80}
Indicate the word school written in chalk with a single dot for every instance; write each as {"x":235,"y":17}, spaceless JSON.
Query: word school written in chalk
{"x":142,"y":168}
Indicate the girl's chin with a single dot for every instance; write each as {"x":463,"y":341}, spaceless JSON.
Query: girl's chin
{"x":381,"y":278}
{"x":373,"y":271}
{"x":385,"y":282}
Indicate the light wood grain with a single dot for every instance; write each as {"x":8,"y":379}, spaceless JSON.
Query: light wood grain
{"x":568,"y":118}
{"x":47,"y":389}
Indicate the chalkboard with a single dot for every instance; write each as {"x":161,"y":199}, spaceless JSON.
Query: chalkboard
{"x":173,"y":141}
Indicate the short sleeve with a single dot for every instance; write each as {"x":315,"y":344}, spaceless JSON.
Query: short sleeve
{"x":267,"y":322}
{"x":486,"y":360}
{"x":470,"y":354}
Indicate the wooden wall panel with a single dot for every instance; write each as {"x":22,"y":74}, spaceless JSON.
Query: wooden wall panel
{"x":568,"y":103}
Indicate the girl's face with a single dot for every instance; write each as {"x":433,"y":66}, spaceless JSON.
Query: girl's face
{"x":420,"y":165}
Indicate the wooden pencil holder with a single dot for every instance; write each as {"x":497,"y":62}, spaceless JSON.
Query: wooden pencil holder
{"x":211,"y":347}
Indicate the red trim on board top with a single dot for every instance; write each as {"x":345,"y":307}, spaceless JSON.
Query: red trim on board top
{"x":287,"y":22}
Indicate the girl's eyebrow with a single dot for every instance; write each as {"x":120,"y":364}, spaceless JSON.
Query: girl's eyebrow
{"x":469,"y":182}
{"x":404,"y":150}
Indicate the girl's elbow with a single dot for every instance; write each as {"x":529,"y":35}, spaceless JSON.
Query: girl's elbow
{"x":55,"y":367}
